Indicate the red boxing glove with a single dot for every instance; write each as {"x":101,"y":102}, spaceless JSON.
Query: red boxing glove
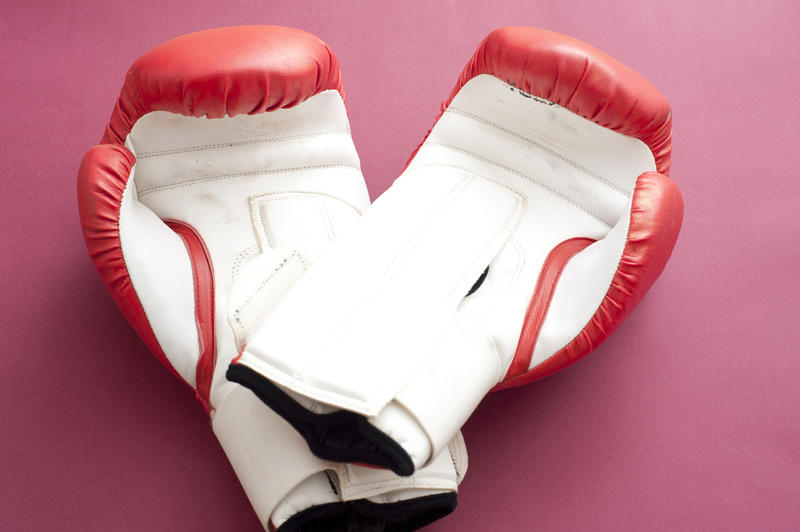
{"x":227,"y":169}
{"x":529,"y":223}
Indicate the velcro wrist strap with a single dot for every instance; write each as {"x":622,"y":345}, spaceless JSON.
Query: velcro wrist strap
{"x":454,"y":379}
{"x":406,"y":267}
{"x":443,"y":473}
{"x":268,"y":455}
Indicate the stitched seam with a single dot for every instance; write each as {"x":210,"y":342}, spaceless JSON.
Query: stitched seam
{"x":451,"y":452}
{"x":257,"y":222}
{"x":265,"y":282}
{"x":453,"y":195}
{"x":237,"y":263}
{"x":542,"y":147}
{"x":322,"y":207}
{"x":520,"y":256}
{"x":399,"y":482}
{"x":263,"y":218}
{"x":435,"y":482}
{"x":413,"y":241}
{"x":289,"y":193}
{"x":248,"y":142}
{"x":201,"y":180}
{"x":512,"y":171}
{"x":302,"y":387}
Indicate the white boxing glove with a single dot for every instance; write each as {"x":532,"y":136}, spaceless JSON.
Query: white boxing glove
{"x":529,"y":223}
{"x":226,"y":170}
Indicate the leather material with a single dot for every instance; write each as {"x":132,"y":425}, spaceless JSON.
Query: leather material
{"x":214,"y":73}
{"x":225,"y":72}
{"x":655,"y":222}
{"x":203,"y":276}
{"x":445,"y":286}
{"x":542,"y":295}
{"x":579,"y":77}
{"x":229,"y":169}
{"x":102,"y":178}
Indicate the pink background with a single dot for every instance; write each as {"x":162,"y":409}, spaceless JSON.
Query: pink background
{"x":686,"y":419}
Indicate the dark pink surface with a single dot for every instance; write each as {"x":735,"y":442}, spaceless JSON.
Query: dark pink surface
{"x":686,"y":419}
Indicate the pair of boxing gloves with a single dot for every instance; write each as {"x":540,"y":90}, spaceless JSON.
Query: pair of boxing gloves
{"x":527,"y":225}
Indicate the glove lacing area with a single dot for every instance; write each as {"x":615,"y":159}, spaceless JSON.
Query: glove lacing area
{"x":340,"y":436}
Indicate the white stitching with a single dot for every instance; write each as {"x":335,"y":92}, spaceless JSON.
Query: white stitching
{"x":266,"y":281}
{"x":246,"y":252}
{"x":510,"y":170}
{"x":542,"y":147}
{"x":322,"y":207}
{"x":201,"y":180}
{"x":204,"y":147}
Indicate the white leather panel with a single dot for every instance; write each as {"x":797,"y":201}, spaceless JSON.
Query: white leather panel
{"x":578,"y":177}
{"x":162,"y":132}
{"x":306,"y":222}
{"x":580,"y":290}
{"x":240,"y":181}
{"x":292,"y":230}
{"x":362,"y":351}
{"x":161,"y":274}
{"x":181,"y":148}
{"x":551,"y":132}
{"x":268,"y":194}
{"x":453,"y":380}
{"x":259,"y":285}
{"x":497,"y":309}
{"x":551,"y":173}
{"x":270,"y":458}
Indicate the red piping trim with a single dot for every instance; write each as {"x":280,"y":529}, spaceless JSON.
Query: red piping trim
{"x":203,"y":273}
{"x":655,"y":220}
{"x":546,"y":284}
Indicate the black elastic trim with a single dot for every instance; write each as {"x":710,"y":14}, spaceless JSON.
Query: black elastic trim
{"x":367,"y":516}
{"x":340,"y":436}
{"x":412,"y":514}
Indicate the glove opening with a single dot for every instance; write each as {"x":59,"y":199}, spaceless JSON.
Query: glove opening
{"x":367,"y":516}
{"x":339,"y":436}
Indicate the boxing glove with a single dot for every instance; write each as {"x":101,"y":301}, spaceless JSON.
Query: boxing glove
{"x":531,"y":220}
{"x":226,"y":169}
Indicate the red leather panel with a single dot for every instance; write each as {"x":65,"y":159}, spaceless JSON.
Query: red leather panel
{"x":656,"y":215}
{"x":551,"y":271}
{"x":225,"y":71}
{"x":213,"y":73}
{"x":579,"y":77}
{"x":102,"y":178}
{"x":203,"y":273}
